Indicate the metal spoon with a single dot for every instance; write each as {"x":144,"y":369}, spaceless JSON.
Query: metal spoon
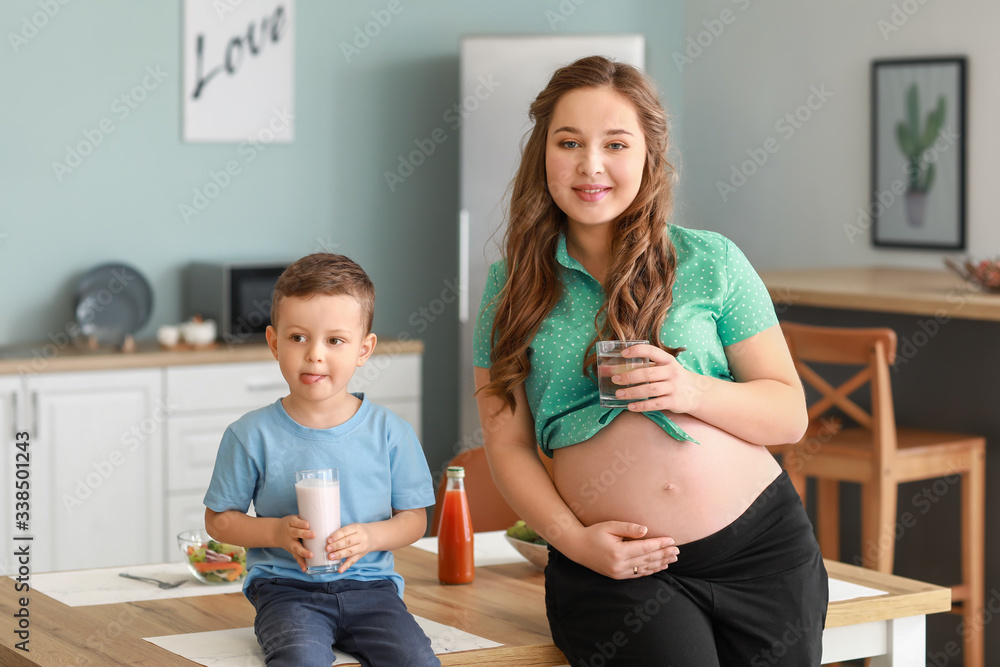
{"x":161,"y":584}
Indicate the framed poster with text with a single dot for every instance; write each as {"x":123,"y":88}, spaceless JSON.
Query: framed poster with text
{"x":239,"y":71}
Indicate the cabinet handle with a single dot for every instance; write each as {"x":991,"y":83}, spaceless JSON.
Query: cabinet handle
{"x":13,"y":413}
{"x":34,"y":415}
{"x":266,"y":386}
{"x":463,"y":266}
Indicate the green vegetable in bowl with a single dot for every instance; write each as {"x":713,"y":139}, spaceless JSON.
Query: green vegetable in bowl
{"x":522,"y":531}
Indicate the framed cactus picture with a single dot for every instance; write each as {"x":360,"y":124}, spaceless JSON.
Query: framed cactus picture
{"x":918,"y":153}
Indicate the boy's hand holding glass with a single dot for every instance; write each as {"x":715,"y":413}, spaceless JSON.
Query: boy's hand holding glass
{"x":288,"y":533}
{"x":663,"y":384}
{"x":349,"y":544}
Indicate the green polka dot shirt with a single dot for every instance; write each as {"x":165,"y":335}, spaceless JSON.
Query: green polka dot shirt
{"x":718,"y":300}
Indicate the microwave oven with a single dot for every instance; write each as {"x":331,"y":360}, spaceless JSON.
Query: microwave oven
{"x":236,"y":296}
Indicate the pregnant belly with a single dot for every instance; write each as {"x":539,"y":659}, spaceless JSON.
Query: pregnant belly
{"x":632,"y":470}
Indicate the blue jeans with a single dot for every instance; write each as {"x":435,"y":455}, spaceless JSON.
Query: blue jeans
{"x":299,"y":622}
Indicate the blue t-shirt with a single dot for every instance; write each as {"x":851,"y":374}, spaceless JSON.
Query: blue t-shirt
{"x":382,"y":467}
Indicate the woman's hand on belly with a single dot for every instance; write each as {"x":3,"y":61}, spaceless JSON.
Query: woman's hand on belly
{"x":617,"y":549}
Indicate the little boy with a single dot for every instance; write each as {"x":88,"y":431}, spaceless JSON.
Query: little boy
{"x":320,"y":332}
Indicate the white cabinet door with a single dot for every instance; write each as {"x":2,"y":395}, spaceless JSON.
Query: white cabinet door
{"x":392,"y":380}
{"x":97,"y":443}
{"x":209,"y":387}
{"x":192,"y":444}
{"x":11,"y":400}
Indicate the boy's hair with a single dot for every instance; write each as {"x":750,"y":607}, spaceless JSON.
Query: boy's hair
{"x":329,"y":274}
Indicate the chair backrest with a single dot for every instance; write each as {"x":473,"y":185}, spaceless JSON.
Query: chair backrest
{"x":873,"y":350}
{"x":488,"y":508}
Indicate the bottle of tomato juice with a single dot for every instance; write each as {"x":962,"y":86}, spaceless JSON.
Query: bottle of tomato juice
{"x":455,"y":537}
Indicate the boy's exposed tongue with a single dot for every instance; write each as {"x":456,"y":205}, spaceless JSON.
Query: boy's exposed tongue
{"x":309,"y":378}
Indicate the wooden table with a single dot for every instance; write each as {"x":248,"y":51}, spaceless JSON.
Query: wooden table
{"x":505,"y":604}
{"x":935,"y":293}
{"x":891,"y":629}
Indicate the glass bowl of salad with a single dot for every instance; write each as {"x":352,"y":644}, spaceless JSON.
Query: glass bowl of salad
{"x":210,"y":561}
{"x":529,"y":544}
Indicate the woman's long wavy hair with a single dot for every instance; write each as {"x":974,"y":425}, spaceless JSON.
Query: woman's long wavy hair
{"x":642,"y":265}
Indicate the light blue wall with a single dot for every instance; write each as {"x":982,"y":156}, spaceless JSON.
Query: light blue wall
{"x":325,"y":190}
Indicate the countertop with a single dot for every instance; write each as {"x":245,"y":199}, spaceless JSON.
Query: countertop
{"x":928,"y":292}
{"x":55,"y":356}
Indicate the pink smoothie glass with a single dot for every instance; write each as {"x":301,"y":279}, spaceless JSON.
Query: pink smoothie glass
{"x":318,"y":495}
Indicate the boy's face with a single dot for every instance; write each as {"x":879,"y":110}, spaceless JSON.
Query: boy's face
{"x":319,"y":343}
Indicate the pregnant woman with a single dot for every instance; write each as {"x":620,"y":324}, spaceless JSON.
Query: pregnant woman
{"x":675,"y":538}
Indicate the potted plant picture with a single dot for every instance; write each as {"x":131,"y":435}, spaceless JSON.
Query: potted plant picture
{"x":914,"y":140}
{"x":918,"y":140}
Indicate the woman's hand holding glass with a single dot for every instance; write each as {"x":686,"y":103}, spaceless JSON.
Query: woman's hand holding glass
{"x":662,"y":385}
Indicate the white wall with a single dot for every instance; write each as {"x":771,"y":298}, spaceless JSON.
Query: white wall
{"x":763,"y":64}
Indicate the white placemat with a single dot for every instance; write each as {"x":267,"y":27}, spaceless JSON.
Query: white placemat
{"x":79,"y":588}
{"x":843,"y":590}
{"x":490,"y":548}
{"x":239,"y":647}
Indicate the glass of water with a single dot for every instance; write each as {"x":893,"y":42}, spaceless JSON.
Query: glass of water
{"x":610,"y":362}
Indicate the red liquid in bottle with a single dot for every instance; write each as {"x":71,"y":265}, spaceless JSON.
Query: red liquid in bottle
{"x":455,"y":537}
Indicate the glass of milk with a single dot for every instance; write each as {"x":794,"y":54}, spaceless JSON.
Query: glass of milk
{"x":318,"y":495}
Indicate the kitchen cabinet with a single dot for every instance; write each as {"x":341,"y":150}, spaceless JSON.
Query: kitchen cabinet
{"x":203,"y":401}
{"x":392,"y":380}
{"x":11,"y":399}
{"x":96,"y":455}
{"x":123,"y":446}
{"x":192,"y":442}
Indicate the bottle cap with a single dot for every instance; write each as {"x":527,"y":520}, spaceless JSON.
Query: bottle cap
{"x":456,"y":471}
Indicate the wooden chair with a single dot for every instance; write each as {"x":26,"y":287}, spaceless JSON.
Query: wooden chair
{"x":488,"y":508}
{"x":879,"y":456}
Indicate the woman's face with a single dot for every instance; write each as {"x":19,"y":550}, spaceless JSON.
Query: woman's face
{"x":594,"y":155}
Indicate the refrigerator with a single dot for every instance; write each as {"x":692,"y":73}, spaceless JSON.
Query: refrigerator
{"x":500,"y":76}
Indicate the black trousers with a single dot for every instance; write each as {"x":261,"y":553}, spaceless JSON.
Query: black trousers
{"x":753,"y":594}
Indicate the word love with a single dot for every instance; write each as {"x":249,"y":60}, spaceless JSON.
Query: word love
{"x":271,"y":29}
